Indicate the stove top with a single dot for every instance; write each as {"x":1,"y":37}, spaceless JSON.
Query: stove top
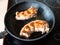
{"x":9,"y":40}
{"x":52,"y":39}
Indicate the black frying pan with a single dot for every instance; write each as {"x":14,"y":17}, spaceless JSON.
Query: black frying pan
{"x":14,"y":26}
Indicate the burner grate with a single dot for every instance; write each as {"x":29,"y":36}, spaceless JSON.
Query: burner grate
{"x":53,"y":3}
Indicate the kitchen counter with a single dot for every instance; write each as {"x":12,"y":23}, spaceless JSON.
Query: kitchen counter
{"x":3,"y":10}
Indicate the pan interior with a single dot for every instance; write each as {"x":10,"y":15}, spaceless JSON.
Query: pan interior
{"x":14,"y":26}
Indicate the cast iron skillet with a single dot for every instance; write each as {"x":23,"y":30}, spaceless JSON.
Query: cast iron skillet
{"x":14,"y":26}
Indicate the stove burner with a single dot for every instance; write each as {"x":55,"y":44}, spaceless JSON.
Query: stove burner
{"x":53,"y":3}
{"x":57,"y":37}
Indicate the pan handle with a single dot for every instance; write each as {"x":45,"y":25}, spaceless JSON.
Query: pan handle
{"x":3,"y":34}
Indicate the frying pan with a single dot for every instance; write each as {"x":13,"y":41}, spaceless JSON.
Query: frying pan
{"x":14,"y":26}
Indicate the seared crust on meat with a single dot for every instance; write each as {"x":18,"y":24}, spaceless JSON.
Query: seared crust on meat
{"x":27,"y":14}
{"x":34,"y":26}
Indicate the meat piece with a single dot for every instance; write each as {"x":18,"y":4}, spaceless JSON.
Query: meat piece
{"x":27,"y":14}
{"x":41,"y":26}
{"x":34,"y":26}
